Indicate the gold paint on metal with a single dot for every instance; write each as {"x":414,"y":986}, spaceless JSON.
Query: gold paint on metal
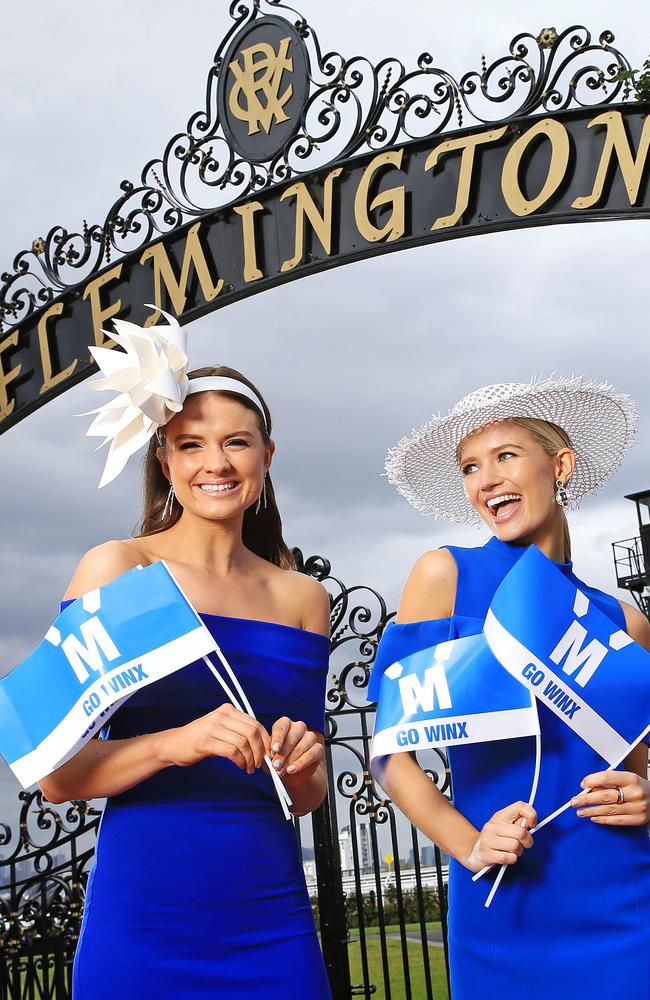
{"x":395,"y":197}
{"x":514,"y":197}
{"x":247,"y":213}
{"x":7,"y":405}
{"x":49,"y":379}
{"x":617,"y":143}
{"x":261,"y":75}
{"x":102,"y":313}
{"x":176,"y":288}
{"x":468,"y":144}
{"x":306,"y":207}
{"x":547,"y":38}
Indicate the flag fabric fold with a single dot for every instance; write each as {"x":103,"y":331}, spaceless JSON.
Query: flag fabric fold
{"x":100,"y":650}
{"x":551,"y":638}
{"x":452,"y":693}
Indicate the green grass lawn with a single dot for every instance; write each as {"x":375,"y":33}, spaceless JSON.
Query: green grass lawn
{"x":416,"y":967}
{"x":395,"y":928}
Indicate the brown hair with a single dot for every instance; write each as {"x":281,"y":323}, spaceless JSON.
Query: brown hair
{"x":261,"y":533}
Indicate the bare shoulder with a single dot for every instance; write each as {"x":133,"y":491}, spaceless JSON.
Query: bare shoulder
{"x":309,"y":599}
{"x":636,"y":624}
{"x":102,"y":564}
{"x":430,"y":590}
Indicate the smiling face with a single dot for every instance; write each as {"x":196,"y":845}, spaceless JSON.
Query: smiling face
{"x":215,"y":456}
{"x":510,"y":478}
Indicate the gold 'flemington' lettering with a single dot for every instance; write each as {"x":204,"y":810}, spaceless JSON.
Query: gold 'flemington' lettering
{"x":468,"y":144}
{"x":514,"y":197}
{"x":177,"y":288}
{"x":617,"y":143}
{"x":395,"y":197}
{"x":49,"y":379}
{"x":7,"y":405}
{"x":247,"y":213}
{"x":102,"y":313}
{"x":306,"y":208}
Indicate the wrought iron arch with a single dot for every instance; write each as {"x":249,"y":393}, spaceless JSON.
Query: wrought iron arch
{"x":368,"y":159}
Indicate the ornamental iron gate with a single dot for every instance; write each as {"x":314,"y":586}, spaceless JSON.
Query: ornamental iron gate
{"x":378,"y":891}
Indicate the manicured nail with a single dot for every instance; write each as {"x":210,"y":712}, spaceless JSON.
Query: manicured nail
{"x":575,"y":802}
{"x":292,"y":769}
{"x":276,"y":747}
{"x":277,"y":764}
{"x":583,"y":784}
{"x":580,"y":812}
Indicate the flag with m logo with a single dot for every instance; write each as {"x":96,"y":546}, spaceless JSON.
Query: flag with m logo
{"x":100,"y":650}
{"x":449,"y":694}
{"x":549,"y":636}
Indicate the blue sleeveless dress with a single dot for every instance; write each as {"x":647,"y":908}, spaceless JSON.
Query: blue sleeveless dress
{"x":197,"y":890}
{"x":572,"y":918}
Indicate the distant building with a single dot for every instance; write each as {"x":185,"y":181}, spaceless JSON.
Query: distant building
{"x":364,"y":849}
{"x":428,"y":856}
{"x":346,"y":850}
{"x":309,"y":868}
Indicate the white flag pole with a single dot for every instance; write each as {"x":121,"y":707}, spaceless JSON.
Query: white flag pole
{"x":531,"y":799}
{"x":245,"y":706}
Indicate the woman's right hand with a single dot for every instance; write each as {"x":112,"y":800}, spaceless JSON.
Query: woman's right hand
{"x":504,"y":838}
{"x":226,"y":732}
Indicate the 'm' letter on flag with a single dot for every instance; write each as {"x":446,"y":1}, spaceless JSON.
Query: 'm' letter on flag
{"x":447,"y":695}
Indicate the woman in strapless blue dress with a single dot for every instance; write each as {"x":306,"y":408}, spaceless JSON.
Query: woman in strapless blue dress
{"x":571,"y":917}
{"x":197,"y":890}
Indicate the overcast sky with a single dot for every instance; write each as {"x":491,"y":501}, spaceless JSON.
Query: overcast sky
{"x":349,"y":360}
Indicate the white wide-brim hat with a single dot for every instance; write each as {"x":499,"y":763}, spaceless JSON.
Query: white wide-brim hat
{"x":600,"y":422}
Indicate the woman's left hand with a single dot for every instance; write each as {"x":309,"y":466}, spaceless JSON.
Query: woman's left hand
{"x":297,"y":752}
{"x":602,"y":802}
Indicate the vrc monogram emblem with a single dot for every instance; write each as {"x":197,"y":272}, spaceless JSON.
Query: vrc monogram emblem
{"x":261,"y":74}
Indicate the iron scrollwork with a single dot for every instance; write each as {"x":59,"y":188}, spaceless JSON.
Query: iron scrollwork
{"x":350,"y":106}
{"x":44,"y":864}
{"x":356,"y":803}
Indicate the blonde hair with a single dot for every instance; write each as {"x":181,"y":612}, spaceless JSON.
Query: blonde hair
{"x":552,"y":439}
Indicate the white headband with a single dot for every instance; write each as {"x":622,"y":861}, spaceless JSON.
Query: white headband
{"x":149,"y":376}
{"x":222,"y":383}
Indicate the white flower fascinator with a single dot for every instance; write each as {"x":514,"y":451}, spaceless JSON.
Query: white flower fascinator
{"x":149,"y":376}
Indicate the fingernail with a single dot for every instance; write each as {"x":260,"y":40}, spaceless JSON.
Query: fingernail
{"x":276,"y":747}
{"x":580,"y":812}
{"x":574,"y":802}
{"x":277,"y":764}
{"x":292,"y":769}
{"x":583,"y":784}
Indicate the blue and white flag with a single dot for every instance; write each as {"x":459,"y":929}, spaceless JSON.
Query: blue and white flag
{"x":100,"y":650}
{"x":451,"y":694}
{"x":589,"y":672}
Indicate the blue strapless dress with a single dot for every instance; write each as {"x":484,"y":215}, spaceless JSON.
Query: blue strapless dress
{"x":197,"y":889}
{"x":572,"y":918}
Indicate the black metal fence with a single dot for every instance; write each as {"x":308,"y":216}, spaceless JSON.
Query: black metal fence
{"x":379,"y":891}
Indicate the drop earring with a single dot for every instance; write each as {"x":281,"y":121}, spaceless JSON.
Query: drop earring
{"x":562,"y":495}
{"x":262,"y":497}
{"x":169,"y":502}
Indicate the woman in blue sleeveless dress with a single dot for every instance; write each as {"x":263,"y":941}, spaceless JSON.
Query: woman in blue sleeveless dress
{"x":571,"y":917}
{"x":197,"y":890}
